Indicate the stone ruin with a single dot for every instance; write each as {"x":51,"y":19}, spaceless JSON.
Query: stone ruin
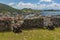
{"x":7,"y":22}
{"x":33,"y":22}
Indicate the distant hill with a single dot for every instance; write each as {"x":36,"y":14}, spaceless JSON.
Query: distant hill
{"x":30,"y":10}
{"x":6,"y":8}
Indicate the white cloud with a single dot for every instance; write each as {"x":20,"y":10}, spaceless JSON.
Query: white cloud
{"x":53,"y":6}
{"x":25,"y":5}
{"x":45,"y":0}
{"x":11,"y":4}
{"x":22,"y":5}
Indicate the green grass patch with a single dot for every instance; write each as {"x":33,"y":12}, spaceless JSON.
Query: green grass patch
{"x":36,"y":34}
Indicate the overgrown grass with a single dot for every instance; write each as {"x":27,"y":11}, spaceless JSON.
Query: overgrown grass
{"x":35,"y":34}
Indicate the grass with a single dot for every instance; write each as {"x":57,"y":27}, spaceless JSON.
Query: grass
{"x":36,"y":34}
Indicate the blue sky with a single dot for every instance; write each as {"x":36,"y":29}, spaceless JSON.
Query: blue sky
{"x":33,"y":4}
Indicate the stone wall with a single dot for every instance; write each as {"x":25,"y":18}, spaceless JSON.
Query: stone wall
{"x":5,"y":25}
{"x":32,"y":23}
{"x":47,"y":21}
{"x":56,"y":21}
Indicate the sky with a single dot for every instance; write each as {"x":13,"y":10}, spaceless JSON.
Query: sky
{"x":33,"y":4}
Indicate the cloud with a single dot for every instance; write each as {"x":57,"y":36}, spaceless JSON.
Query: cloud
{"x":22,"y":5}
{"x":11,"y":4}
{"x":25,"y":5}
{"x":53,"y":6}
{"x":45,"y":0}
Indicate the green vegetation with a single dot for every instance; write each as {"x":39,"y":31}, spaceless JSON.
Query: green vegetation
{"x":34,"y":34}
{"x":30,"y":10}
{"x":6,"y":8}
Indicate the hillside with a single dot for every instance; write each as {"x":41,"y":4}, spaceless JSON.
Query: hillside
{"x":6,"y":8}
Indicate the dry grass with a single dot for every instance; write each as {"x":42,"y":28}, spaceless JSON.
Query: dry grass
{"x":36,"y":34}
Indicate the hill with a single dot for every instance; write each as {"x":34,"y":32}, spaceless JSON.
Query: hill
{"x":5,"y":8}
